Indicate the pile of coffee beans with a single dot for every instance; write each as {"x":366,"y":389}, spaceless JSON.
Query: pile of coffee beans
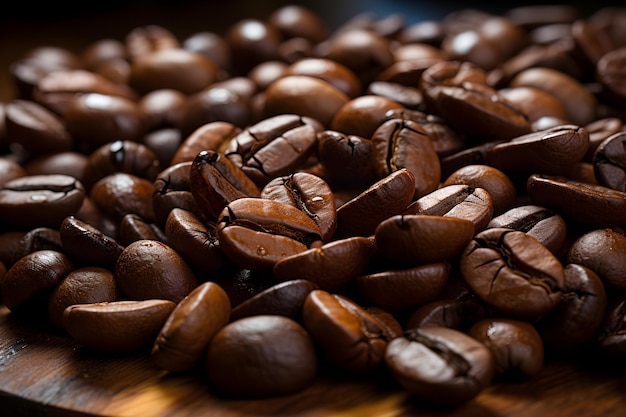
{"x":442,"y":202}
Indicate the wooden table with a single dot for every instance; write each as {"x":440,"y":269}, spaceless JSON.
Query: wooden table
{"x":43,"y":373}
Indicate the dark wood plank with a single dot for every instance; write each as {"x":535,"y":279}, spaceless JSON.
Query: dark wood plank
{"x":47,"y":374}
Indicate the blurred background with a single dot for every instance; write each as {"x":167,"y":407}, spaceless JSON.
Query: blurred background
{"x":76,"y":24}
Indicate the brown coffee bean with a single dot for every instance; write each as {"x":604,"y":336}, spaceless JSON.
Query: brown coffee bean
{"x":86,"y":244}
{"x":132,"y":228}
{"x":69,"y":163}
{"x":283,"y":299}
{"x":172,"y":189}
{"x":455,"y":314}
{"x":27,"y":283}
{"x":347,"y":335}
{"x":440,"y":365}
{"x":119,"y":194}
{"x":150,"y":269}
{"x":513,"y":273}
{"x":387,"y":197}
{"x":40,"y":200}
{"x":308,"y":193}
{"x":362,"y":115}
{"x":403,"y":144}
{"x":347,"y":159}
{"x":257,"y":232}
{"x":299,"y":21}
{"x":85,"y":285}
{"x":39,"y":238}
{"x":609,"y":72}
{"x":587,"y":204}
{"x":599,"y":130}
{"x":143,"y":40}
{"x":117,"y":326}
{"x":330,"y":71}
{"x":609,"y":162}
{"x":404,"y":289}
{"x":212,"y":136}
{"x":185,"y":335}
{"x":252,"y":41}
{"x":543,"y":224}
{"x":580,"y":312}
{"x":419,"y":239}
{"x":331,"y":266}
{"x":243,"y":359}
{"x":516,"y":345}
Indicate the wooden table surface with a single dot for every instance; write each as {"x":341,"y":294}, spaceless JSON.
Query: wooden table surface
{"x":43,"y":373}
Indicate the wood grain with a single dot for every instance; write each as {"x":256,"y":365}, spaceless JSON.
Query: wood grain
{"x":43,"y":373}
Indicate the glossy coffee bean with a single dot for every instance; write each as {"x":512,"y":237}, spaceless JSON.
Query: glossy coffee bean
{"x":70,"y":163}
{"x":252,"y":41}
{"x":273,"y":147}
{"x":216,"y":181}
{"x":419,"y":239}
{"x":604,"y":252}
{"x":119,"y":194}
{"x":458,"y":201}
{"x":403,"y":144}
{"x":40,"y":200}
{"x":599,"y":130}
{"x":404,"y":289}
{"x":543,"y":224}
{"x":28,"y":282}
{"x":309,"y":193}
{"x":346,"y":334}
{"x":143,"y":40}
{"x":587,"y":204}
{"x":150,"y":269}
{"x":132,"y":227}
{"x":212,"y":136}
{"x":85,"y":285}
{"x":244,"y":360}
{"x":88,"y":245}
{"x":580,"y":312}
{"x":193,"y":240}
{"x":331,"y":266}
{"x":455,"y":314}
{"x":610,"y":339}
{"x":362,"y":115}
{"x":440,"y":365}
{"x":330,"y":71}
{"x":283,"y":299}
{"x":256,"y":232}
{"x":513,"y":273}
{"x":609,"y":162}
{"x":117,"y":326}
{"x":39,"y":238}
{"x":609,"y":72}
{"x":299,"y":21}
{"x":172,"y":189}
{"x":347,"y":159}
{"x":516,"y":345}
{"x":387,"y":197}
{"x":185,"y":335}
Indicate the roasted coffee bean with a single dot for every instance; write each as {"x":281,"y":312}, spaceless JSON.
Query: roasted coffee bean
{"x":172,"y":189}
{"x":86,"y":244}
{"x":347,"y":159}
{"x":69,"y":163}
{"x":582,"y":203}
{"x":404,"y":289}
{"x":40,"y":200}
{"x":308,"y":193}
{"x":163,"y":107}
{"x":210,"y":44}
{"x":10,"y":169}
{"x":609,"y":162}
{"x":28,"y":282}
{"x":580,"y":312}
{"x":543,"y":224}
{"x":119,"y":194}
{"x":362,"y":115}
{"x":195,"y":241}
{"x":274,"y":147}
{"x":252,"y":41}
{"x":132,"y":228}
{"x":599,"y":130}
{"x":299,"y":21}
{"x":516,"y":345}
{"x":551,"y":151}
{"x":347,"y":335}
{"x":185,"y":335}
{"x":36,"y":129}
{"x":331,"y":266}
{"x":121,"y":156}
{"x":212,"y":136}
{"x":164,"y":142}
{"x":216,"y":181}
{"x":244,"y":360}
{"x":513,"y":273}
{"x":143,"y":40}
{"x":117,"y":118}
{"x":495,"y":182}
{"x":256,"y":232}
{"x":458,"y":201}
{"x":455,"y":314}
{"x":150,"y":269}
{"x":330,"y":71}
{"x":534,"y":103}
{"x":117,"y":326}
{"x":440,"y":365}
{"x":39,"y":238}
{"x":403,"y":144}
{"x":86,"y":285}
{"x":419,"y":239}
{"x":609,"y":71}
{"x":476,"y":155}
{"x":174,"y":68}
{"x":283,"y":299}
{"x":610,"y":338}
{"x":604,"y":252}
{"x":385,"y":198}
